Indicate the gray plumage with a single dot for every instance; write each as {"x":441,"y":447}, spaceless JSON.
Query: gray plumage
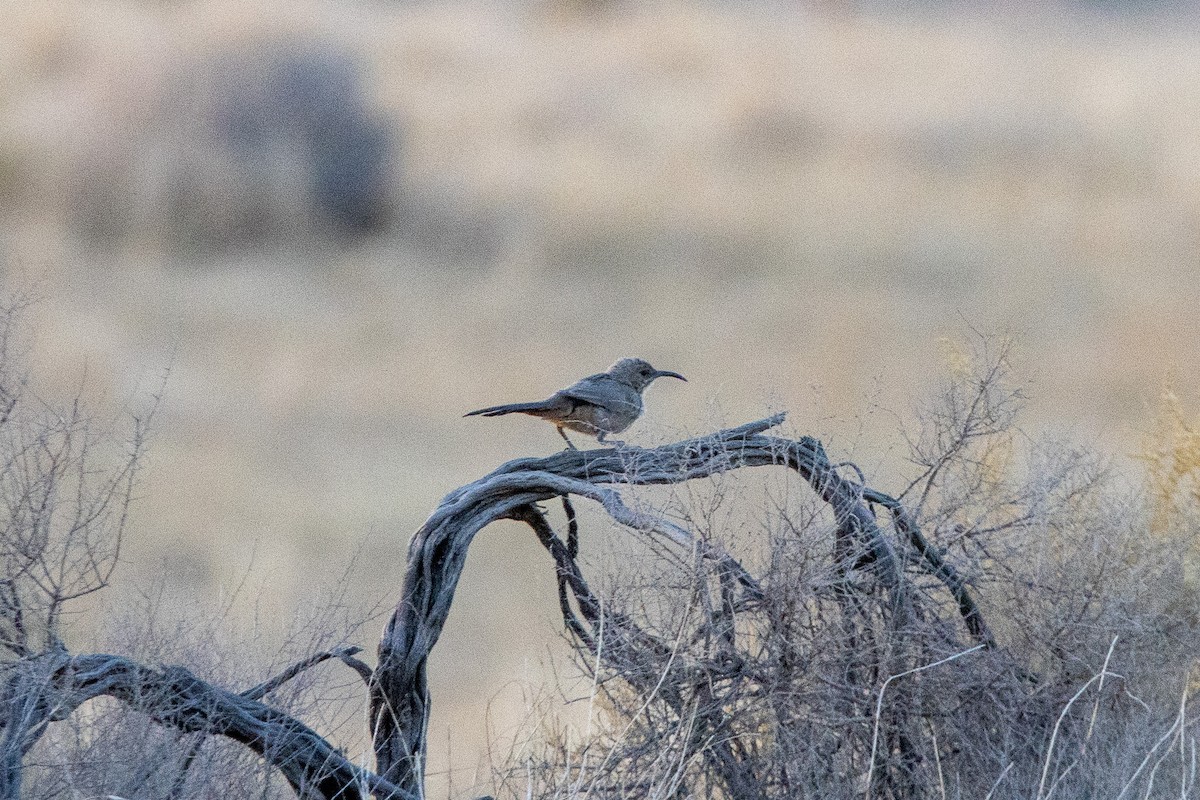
{"x":600,"y":404}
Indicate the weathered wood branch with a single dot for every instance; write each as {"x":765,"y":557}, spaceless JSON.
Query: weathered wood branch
{"x":437,"y":552}
{"x":343,"y":654}
{"x":38,"y":690}
{"x":936,"y":566}
{"x":625,"y":643}
{"x":50,"y":688}
{"x":637,"y":655}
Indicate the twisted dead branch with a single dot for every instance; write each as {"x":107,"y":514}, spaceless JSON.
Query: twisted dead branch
{"x":51,"y":687}
{"x":48,"y":686}
{"x":437,"y":555}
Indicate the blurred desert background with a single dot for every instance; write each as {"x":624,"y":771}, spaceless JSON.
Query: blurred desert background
{"x":325,"y":230}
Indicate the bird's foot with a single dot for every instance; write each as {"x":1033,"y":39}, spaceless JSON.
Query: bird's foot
{"x":602,"y":438}
{"x":570,"y":444}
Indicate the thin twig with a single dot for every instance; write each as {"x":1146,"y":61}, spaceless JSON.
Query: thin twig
{"x":1099,"y":694}
{"x":879,"y":703}
{"x":345,"y":654}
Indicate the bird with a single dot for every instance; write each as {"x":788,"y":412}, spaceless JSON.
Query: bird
{"x":598,"y":405}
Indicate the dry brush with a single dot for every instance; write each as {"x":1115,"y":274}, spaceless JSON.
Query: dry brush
{"x":856,"y":659}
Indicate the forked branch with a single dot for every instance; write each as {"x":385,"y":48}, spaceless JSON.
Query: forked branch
{"x":50,"y":688}
{"x":437,"y":553}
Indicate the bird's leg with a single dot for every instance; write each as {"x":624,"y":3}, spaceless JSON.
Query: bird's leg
{"x":613,"y":442}
{"x":562,"y":433}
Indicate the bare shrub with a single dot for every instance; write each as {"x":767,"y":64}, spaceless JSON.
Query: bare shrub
{"x":824,"y":686}
{"x":65,"y":489}
{"x":1009,"y":625}
{"x":101,"y":724}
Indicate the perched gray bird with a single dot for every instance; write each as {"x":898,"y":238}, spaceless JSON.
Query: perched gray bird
{"x":598,"y":405}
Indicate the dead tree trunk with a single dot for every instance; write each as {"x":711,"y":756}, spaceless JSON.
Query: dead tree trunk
{"x":437,"y":554}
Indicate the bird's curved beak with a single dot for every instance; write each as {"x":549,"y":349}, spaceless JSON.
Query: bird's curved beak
{"x":662,"y":373}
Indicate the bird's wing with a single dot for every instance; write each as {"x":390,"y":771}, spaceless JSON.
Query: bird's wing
{"x":601,"y":390}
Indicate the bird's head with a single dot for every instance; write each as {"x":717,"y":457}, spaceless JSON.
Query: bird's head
{"x":638,"y":373}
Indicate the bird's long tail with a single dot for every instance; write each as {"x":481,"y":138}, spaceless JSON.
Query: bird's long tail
{"x":513,"y":408}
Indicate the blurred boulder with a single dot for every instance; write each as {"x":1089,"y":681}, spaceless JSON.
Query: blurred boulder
{"x":270,"y":145}
{"x":311,"y":103}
